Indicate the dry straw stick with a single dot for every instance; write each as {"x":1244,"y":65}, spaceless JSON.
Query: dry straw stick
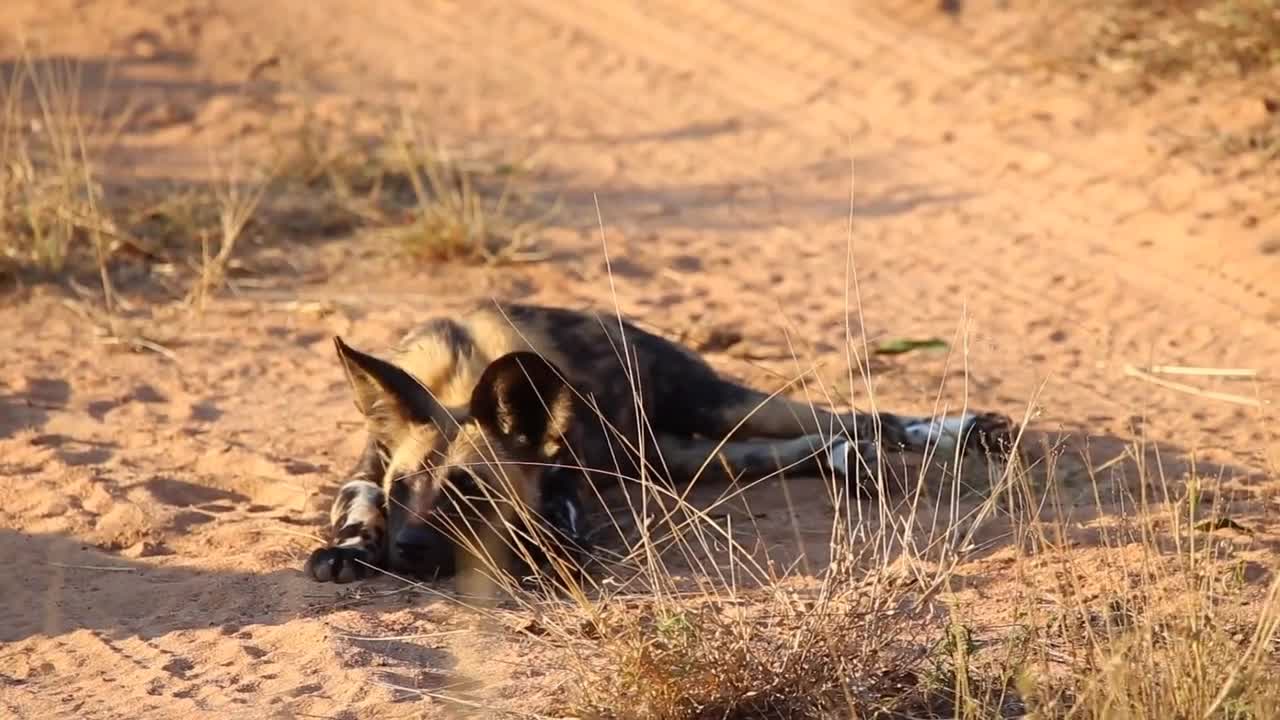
{"x":1202,"y":371}
{"x":1134,"y":372}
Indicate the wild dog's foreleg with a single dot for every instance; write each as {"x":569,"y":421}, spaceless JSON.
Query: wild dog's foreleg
{"x":755,"y":414}
{"x":557,"y":528}
{"x":359,"y":535}
{"x":562,"y":510}
{"x":358,"y":523}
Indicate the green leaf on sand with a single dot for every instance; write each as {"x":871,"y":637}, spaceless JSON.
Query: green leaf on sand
{"x":898,"y":346}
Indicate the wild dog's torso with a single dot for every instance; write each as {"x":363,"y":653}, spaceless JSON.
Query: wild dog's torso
{"x":618,"y":372}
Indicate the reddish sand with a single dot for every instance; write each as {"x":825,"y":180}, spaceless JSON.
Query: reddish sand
{"x":154,"y":513}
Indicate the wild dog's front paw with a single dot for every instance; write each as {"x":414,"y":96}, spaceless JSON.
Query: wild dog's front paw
{"x":338,"y":564}
{"x":568,"y":548}
{"x":564,"y":522}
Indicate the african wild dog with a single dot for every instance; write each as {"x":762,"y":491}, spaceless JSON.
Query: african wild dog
{"x":468,"y":416}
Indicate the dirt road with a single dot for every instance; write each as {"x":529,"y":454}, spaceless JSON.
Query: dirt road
{"x":154,"y":512}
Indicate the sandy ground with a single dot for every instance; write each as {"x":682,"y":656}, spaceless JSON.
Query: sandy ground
{"x":154,"y":513}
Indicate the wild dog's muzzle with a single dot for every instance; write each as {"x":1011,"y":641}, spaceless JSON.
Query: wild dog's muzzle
{"x":424,"y":550}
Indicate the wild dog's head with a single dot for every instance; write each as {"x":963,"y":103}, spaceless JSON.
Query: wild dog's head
{"x":456,"y":474}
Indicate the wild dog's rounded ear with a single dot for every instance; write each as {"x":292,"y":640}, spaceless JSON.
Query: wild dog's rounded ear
{"x":391,"y":398}
{"x":523,"y":400}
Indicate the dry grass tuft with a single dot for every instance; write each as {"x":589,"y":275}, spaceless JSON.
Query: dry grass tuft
{"x":1203,"y":39}
{"x":56,"y":215}
{"x":238,"y":202}
{"x":438,"y":203}
{"x":58,"y":218}
{"x":1156,"y":621}
{"x":466,"y":210}
{"x":51,"y":203}
{"x":847,"y":651}
{"x":1182,"y":669}
{"x":1146,"y":656}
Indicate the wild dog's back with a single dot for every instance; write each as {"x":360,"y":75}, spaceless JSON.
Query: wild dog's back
{"x":448,"y":353}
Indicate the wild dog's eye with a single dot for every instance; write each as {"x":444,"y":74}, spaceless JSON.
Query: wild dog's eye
{"x":400,"y":490}
{"x":462,"y":482}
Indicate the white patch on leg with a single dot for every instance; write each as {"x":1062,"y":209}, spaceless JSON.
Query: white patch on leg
{"x":353,"y":541}
{"x":359,"y":505}
{"x":941,"y":433}
{"x":848,"y":460}
{"x":838,"y":453}
{"x":571,"y":513}
{"x":355,"y":496}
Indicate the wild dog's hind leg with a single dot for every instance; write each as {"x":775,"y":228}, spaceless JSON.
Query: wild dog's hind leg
{"x":729,"y":407}
{"x":851,"y":462}
{"x":358,"y":523}
{"x":687,"y":459}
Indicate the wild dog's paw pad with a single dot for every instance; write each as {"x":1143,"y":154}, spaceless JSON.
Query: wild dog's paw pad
{"x":337,"y":564}
{"x":988,"y":433}
{"x":991,"y":433}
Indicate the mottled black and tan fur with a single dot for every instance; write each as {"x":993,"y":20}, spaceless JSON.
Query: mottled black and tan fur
{"x":511,"y":410}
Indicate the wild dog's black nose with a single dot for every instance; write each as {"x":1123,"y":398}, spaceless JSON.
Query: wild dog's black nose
{"x":413,"y":540}
{"x":425,"y":549}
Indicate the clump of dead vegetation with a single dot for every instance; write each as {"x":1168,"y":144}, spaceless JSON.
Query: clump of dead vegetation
{"x":770,"y":653}
{"x":50,"y":198}
{"x":1157,"y":620}
{"x":737,"y":638}
{"x":173,"y":245}
{"x":1147,"y":40}
{"x":1200,"y":37}
{"x":436,"y":202}
{"x":860,"y":640}
{"x":58,"y":214}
